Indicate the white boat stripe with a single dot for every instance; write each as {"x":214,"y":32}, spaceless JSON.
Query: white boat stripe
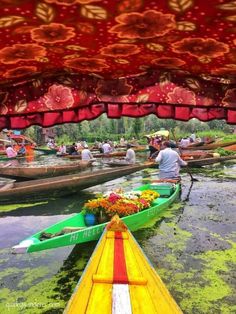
{"x":121,"y":299}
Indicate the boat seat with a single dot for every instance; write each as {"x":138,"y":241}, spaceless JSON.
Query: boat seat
{"x":141,"y":281}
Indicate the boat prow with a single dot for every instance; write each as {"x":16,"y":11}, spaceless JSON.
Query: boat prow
{"x":120,"y":279}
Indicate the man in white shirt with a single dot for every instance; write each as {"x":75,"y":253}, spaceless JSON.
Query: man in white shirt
{"x":86,"y":154}
{"x":169,"y":162}
{"x":106,"y":147}
{"x":130,"y":155}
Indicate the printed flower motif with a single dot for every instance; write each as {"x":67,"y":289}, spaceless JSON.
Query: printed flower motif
{"x":120,"y":50}
{"x":70,"y":2}
{"x":52,"y":33}
{"x":86,"y":64}
{"x":200,"y":47}
{"x":181,"y":96}
{"x":230,"y":98}
{"x":3,"y":99}
{"x":149,"y":24}
{"x":116,"y":90}
{"x":20,"y":71}
{"x":229,"y":69}
{"x":168,"y":62}
{"x":20,"y":52}
{"x":58,"y":97}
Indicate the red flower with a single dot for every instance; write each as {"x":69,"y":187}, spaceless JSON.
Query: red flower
{"x":181,"y":96}
{"x":120,"y":50}
{"x":168,"y":62}
{"x":58,"y":97}
{"x":52,"y":33}
{"x":20,"y":71}
{"x":20,"y":52}
{"x":149,"y":24}
{"x":230,"y":98}
{"x":86,"y":64}
{"x":116,"y":90}
{"x":200,"y":47}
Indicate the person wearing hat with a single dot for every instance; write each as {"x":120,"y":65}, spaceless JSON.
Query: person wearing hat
{"x":169,"y":162}
{"x":130,"y":155}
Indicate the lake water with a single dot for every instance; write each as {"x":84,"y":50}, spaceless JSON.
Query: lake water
{"x":191,"y":245}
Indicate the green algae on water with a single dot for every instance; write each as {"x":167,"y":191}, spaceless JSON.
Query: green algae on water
{"x":7,"y":208}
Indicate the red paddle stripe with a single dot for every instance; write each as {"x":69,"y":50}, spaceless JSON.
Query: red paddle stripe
{"x":120,"y":271}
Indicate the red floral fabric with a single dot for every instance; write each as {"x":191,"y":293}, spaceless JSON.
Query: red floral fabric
{"x":71,"y":60}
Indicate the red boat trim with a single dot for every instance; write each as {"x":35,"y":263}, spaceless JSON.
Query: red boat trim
{"x":120,"y":272}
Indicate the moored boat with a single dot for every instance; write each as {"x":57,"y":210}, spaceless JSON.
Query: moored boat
{"x":120,"y":279}
{"x":46,"y":151}
{"x":98,"y":155}
{"x":42,"y":171}
{"x":209,"y":161}
{"x":210,"y":146}
{"x":58,"y":186}
{"x":81,"y":233}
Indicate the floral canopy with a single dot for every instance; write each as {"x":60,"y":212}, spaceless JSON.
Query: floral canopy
{"x":70,"y":60}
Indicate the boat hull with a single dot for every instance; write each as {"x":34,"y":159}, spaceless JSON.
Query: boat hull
{"x":40,"y":172}
{"x":120,"y":279}
{"x":40,"y":189}
{"x":134,"y":222}
{"x":214,"y":145}
{"x":209,"y":161}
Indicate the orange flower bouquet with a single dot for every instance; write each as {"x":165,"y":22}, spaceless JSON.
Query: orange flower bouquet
{"x":123,"y":204}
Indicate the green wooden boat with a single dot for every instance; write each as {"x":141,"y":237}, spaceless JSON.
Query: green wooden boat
{"x":168,"y":194}
{"x":46,"y":151}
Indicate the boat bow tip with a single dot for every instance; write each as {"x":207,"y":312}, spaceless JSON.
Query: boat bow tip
{"x":22,"y":247}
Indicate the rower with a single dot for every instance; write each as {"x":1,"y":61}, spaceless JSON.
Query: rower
{"x":169,"y":162}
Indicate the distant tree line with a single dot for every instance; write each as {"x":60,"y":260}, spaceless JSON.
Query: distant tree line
{"x":103,"y":128}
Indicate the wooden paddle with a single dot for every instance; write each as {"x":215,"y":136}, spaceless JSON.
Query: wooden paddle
{"x":187,"y":167}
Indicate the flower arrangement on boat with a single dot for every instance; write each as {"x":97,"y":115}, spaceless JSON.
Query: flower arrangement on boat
{"x":120,"y":203}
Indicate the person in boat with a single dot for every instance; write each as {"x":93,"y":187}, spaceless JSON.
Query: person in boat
{"x":62,"y":149}
{"x":106,"y":148}
{"x":192,"y":138}
{"x":185,"y":141}
{"x":152,"y":149}
{"x":86,"y":154}
{"x":22,"y":150}
{"x":10,"y":151}
{"x":130,"y":155}
{"x":73,"y":150}
{"x":169,"y":162}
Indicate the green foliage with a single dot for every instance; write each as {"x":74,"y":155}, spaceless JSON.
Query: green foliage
{"x":224,"y":152}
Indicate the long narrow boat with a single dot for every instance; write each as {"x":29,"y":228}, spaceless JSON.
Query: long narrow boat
{"x":231,"y":147}
{"x":209,"y":161}
{"x":120,"y":279}
{"x":42,"y":171}
{"x":46,"y":151}
{"x":214,"y":145}
{"x":86,"y":234}
{"x":39,"y":189}
{"x":111,"y":155}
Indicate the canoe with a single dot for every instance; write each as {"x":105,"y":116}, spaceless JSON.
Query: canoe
{"x":43,"y":171}
{"x":39,"y":189}
{"x":209,"y":161}
{"x":214,"y":145}
{"x":120,"y":279}
{"x":117,"y":163}
{"x":86,"y":234}
{"x":231,"y":147}
{"x":46,"y":151}
{"x":111,"y":155}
